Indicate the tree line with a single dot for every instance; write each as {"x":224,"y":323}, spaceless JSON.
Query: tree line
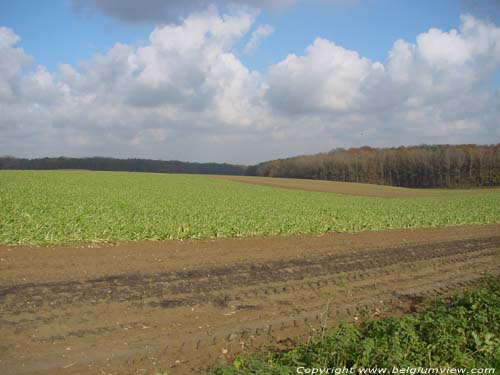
{"x":112,"y":164}
{"x":425,"y":166}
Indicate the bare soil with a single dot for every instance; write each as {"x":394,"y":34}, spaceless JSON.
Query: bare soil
{"x":181,"y":306}
{"x":353,"y":188}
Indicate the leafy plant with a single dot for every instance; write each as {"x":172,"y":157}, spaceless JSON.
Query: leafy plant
{"x":64,"y":207}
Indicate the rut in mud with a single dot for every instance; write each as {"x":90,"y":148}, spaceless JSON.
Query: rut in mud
{"x":189,"y":316}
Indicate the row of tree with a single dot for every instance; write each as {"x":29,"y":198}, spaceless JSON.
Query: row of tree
{"x":417,"y":166}
{"x":111,"y":164}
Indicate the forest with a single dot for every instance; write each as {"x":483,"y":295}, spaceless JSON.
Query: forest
{"x":112,"y":164}
{"x":424,"y":166}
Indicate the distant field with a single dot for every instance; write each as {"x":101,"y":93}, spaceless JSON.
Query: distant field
{"x":351,"y":188}
{"x":62,"y":207}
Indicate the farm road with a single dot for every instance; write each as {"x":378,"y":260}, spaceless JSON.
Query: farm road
{"x":181,"y":306}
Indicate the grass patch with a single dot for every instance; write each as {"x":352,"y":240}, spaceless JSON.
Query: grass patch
{"x":66,"y":207}
{"x":461,"y":332}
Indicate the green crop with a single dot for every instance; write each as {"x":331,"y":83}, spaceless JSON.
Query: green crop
{"x":63,"y":207}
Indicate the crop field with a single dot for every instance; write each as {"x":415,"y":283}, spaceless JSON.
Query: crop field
{"x":138,"y":273}
{"x":68,"y":207}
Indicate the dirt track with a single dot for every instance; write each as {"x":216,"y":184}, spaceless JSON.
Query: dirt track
{"x":140,"y":307}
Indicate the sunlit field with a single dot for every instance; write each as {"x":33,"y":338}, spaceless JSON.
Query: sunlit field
{"x":63,"y":207}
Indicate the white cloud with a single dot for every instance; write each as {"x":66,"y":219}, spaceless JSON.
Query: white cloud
{"x":327,"y":77}
{"x":261,"y":32}
{"x":11,"y":63}
{"x":186,"y":95}
{"x":131,"y":100}
{"x":436,"y":90}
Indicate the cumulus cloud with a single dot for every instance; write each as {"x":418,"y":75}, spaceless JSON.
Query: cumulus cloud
{"x":333,"y":78}
{"x":261,"y":32}
{"x":436,"y":90}
{"x":185,"y":95}
{"x":185,"y":81}
{"x":13,"y":59}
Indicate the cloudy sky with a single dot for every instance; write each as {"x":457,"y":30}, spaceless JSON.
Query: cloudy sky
{"x":245,"y":81}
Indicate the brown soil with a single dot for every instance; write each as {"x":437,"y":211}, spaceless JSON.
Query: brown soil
{"x":352,"y":188}
{"x":181,"y":306}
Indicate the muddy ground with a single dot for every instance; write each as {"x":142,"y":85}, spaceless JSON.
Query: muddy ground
{"x":181,"y":306}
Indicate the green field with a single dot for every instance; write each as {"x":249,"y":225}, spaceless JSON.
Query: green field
{"x":63,"y":207}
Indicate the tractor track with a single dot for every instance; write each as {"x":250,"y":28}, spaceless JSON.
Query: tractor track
{"x":186,"y":318}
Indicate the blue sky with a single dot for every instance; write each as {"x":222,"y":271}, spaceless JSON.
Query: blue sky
{"x":323,"y":74}
{"x":53,"y":33}
{"x":370,"y":28}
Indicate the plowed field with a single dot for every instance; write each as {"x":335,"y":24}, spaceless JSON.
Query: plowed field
{"x":181,"y":306}
{"x":352,"y":188}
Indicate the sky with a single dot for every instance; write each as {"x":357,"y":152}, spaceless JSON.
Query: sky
{"x":245,"y":81}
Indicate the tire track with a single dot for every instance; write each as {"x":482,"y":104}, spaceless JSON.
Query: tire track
{"x":177,"y":287}
{"x":186,"y":319}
